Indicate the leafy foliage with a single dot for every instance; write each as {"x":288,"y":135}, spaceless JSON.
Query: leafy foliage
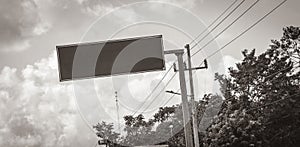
{"x":105,"y":131}
{"x":262,"y":104}
{"x":138,"y":131}
{"x":154,"y":131}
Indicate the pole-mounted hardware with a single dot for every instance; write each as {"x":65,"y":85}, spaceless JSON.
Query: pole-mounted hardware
{"x":193,"y":68}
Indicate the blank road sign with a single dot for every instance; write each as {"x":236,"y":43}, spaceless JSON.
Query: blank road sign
{"x":114,"y":57}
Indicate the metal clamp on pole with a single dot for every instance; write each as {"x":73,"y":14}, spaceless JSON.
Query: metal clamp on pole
{"x":194,"y":68}
{"x":205,"y":64}
{"x":203,"y":67}
{"x":174,"y":67}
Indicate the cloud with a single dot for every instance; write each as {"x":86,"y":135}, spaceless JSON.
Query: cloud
{"x":95,"y":7}
{"x":180,"y":3}
{"x":19,"y":21}
{"x":36,"y":110}
{"x":99,"y":8}
{"x":186,"y":3}
{"x":8,"y":77}
{"x":228,"y":61}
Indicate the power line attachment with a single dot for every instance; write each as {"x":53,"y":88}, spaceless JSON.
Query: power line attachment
{"x":193,"y":68}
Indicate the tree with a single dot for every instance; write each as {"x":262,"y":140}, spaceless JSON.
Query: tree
{"x":105,"y":131}
{"x":165,"y":127}
{"x":157,"y":130}
{"x":138,"y":131}
{"x":262,"y":105}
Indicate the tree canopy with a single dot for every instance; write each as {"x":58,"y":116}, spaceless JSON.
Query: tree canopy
{"x":262,"y":104}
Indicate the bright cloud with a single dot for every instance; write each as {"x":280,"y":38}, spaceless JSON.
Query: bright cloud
{"x":36,"y":110}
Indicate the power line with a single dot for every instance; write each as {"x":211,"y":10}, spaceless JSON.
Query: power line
{"x":235,"y":89}
{"x":174,"y":94}
{"x":219,"y":23}
{"x":216,"y":20}
{"x":140,"y":106}
{"x":242,"y":35}
{"x":169,"y":81}
{"x":173,"y":76}
{"x":196,"y":43}
{"x":222,"y":30}
{"x":234,"y":38}
{"x":249,"y":8}
{"x":248,"y":29}
{"x":239,"y":17}
{"x":169,"y":99}
{"x":163,"y":90}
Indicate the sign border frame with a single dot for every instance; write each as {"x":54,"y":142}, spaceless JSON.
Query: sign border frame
{"x":109,"y":41}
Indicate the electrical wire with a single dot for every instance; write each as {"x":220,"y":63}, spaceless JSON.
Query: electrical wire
{"x":169,"y":99}
{"x":169,"y":81}
{"x":174,"y":94}
{"x":163,"y":90}
{"x":248,"y":29}
{"x":235,"y":89}
{"x":227,"y":26}
{"x":140,"y":106}
{"x":218,"y":24}
{"x":211,"y":24}
{"x":219,"y":34}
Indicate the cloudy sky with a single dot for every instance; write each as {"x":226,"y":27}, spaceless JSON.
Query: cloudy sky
{"x":38,"y":110}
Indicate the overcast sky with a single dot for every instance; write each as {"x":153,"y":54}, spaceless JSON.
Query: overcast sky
{"x":37,"y":110}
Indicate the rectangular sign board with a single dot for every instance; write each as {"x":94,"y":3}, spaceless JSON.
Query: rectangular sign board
{"x":113,"y":57}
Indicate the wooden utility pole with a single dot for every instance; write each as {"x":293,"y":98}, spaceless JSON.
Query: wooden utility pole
{"x":194,"y":108}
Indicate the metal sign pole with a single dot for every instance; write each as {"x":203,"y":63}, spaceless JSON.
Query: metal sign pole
{"x":185,"y":109}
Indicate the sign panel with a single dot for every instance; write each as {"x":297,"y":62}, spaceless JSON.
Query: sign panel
{"x":114,"y":57}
